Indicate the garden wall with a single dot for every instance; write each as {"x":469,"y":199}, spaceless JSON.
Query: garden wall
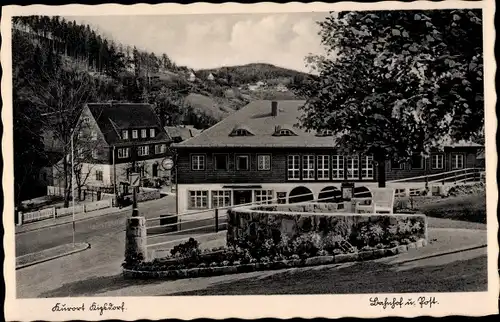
{"x":145,"y":195}
{"x":259,"y":223}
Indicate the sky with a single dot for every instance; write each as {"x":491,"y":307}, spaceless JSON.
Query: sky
{"x":215,"y":40}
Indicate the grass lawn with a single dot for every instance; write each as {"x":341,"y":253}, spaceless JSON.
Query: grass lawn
{"x":363,"y":277}
{"x":468,"y":208}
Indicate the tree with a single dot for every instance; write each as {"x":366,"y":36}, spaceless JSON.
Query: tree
{"x":29,"y":156}
{"x":59,"y":95}
{"x":395,"y":83}
{"x":115,"y":63}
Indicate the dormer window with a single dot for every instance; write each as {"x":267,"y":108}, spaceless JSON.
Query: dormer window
{"x":135,"y":134}
{"x":283,"y":132}
{"x":125,"y":134}
{"x":144,"y":133}
{"x":152,"y":133}
{"x":241,"y":131}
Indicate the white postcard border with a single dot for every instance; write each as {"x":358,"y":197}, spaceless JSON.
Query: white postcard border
{"x":471,"y":304}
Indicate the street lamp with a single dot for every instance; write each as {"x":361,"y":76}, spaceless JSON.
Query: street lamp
{"x":72,"y":183}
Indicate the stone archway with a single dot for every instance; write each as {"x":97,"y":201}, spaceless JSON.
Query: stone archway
{"x":330,"y":194}
{"x":362,"y":192}
{"x":300,"y":194}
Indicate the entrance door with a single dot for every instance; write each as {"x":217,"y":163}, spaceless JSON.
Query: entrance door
{"x":242,"y":196}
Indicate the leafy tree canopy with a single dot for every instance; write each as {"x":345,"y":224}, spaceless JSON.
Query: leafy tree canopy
{"x":395,"y":83}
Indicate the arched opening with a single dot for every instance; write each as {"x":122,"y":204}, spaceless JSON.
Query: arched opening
{"x":300,"y":194}
{"x":362,"y":192}
{"x":330,"y":194}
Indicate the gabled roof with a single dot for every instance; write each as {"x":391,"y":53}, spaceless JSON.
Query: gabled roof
{"x":258,"y":117}
{"x":183,"y":132}
{"x":114,"y":117}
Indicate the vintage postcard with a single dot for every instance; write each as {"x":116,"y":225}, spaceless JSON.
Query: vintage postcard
{"x":249,"y":161}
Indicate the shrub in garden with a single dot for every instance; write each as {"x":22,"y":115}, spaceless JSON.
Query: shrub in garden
{"x":188,"y":251}
{"x":393,"y":243}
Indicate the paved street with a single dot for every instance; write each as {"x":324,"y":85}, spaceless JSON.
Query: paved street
{"x":94,"y":230}
{"x":97,"y":272}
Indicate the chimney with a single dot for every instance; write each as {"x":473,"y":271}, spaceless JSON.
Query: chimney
{"x":274,"y":108}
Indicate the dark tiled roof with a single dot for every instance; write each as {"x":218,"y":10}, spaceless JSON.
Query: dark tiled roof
{"x":257,"y":117}
{"x":114,"y":117}
{"x":182,"y":132}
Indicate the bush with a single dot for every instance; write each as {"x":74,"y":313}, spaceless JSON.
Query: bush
{"x":188,"y":251}
{"x":394,"y":243}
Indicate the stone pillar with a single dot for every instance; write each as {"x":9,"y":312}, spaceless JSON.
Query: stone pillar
{"x":135,"y":240}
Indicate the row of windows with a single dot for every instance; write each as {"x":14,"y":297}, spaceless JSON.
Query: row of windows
{"x":125,"y":152}
{"x":321,"y":167}
{"x":140,"y":169}
{"x":198,"y":199}
{"x":436,"y":161}
{"x":221,"y":162}
{"x":135,"y":134}
{"x":141,"y":150}
{"x":326,"y":167}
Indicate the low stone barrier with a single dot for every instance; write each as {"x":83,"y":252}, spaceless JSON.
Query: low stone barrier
{"x":62,"y":212}
{"x":96,"y":205}
{"x":251,"y":223}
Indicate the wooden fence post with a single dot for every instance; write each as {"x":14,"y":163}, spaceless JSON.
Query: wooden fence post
{"x":20,"y":218}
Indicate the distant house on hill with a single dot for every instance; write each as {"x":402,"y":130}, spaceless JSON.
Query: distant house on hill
{"x":253,"y":87}
{"x":191,"y":76}
{"x":281,"y":88}
{"x":181,"y":132}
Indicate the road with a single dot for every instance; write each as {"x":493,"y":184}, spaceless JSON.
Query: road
{"x":93,"y":229}
{"x":106,"y":235}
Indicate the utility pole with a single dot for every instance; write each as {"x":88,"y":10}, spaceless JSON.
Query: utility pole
{"x":114,"y":173}
{"x":135,"y":211}
{"x":72,"y":183}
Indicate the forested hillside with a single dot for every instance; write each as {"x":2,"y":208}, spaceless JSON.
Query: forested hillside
{"x":59,"y":65}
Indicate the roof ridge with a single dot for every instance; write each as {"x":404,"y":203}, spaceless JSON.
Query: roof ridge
{"x":218,"y":124}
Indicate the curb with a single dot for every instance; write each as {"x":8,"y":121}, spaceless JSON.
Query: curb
{"x":54,"y":257}
{"x":443,"y":253}
{"x":245,"y":268}
{"x":68,"y":222}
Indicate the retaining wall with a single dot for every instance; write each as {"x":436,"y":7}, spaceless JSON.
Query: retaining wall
{"x":255,"y":223}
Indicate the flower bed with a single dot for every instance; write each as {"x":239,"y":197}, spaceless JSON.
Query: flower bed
{"x":229,"y":261}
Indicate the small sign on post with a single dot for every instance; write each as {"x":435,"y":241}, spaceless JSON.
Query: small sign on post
{"x":135,"y":179}
{"x":347,"y":190}
{"x":167,"y":164}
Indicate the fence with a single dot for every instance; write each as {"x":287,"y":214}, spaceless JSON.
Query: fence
{"x":215,"y":220}
{"x":454,"y":176}
{"x":53,"y":212}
